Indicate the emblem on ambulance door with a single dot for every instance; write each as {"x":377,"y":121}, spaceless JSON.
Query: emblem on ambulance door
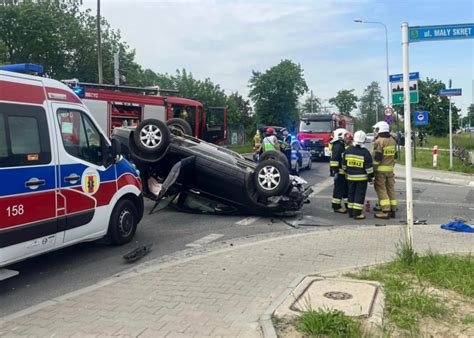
{"x":90,"y":181}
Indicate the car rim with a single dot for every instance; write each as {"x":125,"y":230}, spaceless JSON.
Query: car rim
{"x":125,"y":223}
{"x":150,"y":136}
{"x":269,"y":178}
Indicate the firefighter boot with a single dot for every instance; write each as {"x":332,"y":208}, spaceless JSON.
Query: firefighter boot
{"x":383,"y":215}
{"x":341,"y":210}
{"x":359,"y":217}
{"x":393,"y":214}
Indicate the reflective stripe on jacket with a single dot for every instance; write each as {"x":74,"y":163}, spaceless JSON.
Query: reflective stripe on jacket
{"x":357,"y":163}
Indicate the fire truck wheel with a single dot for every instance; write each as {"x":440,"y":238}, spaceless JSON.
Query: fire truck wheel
{"x":271,"y":178}
{"x":181,"y":125}
{"x":274,"y":155}
{"x":123,"y":222}
{"x":151,"y":136}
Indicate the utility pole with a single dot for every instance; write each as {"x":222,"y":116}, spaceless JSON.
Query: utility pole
{"x":450,"y":131}
{"x":99,"y":45}
{"x":311,"y":100}
{"x":117,"y":68}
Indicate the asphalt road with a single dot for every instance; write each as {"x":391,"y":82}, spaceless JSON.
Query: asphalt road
{"x":54,"y":274}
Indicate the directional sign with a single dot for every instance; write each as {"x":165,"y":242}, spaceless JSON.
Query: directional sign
{"x":441,"y":32}
{"x":399,"y":77}
{"x":450,"y":92}
{"x":420,"y":118}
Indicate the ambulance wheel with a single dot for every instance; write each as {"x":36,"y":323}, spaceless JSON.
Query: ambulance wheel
{"x":123,"y":222}
{"x":181,"y":125}
{"x":271,"y":178}
{"x":152,"y":136}
{"x":274,"y":155}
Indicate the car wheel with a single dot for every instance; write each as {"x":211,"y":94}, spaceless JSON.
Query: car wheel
{"x":310,"y":163}
{"x":151,"y":136}
{"x":274,"y":155}
{"x":271,"y":178}
{"x":296,"y":170}
{"x":123,"y":222}
{"x":181,"y":125}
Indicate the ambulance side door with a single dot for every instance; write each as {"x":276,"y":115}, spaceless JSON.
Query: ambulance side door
{"x":85,"y":183}
{"x":28,"y":182}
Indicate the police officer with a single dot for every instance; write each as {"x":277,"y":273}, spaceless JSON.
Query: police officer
{"x":384,"y":154}
{"x":286,"y":144}
{"x":335,"y":167}
{"x":270,"y":142}
{"x":357,"y":164}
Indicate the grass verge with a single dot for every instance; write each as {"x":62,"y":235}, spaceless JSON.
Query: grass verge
{"x":244,"y":149}
{"x":407,"y":281}
{"x":328,"y":323}
{"x":464,"y":140}
{"x":424,"y":159}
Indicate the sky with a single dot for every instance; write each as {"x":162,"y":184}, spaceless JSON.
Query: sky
{"x":226,"y":40}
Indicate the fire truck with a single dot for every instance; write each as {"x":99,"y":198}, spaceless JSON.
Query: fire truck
{"x":315,"y":132}
{"x":121,"y":106}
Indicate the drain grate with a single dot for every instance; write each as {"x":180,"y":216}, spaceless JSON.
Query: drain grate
{"x":337,"y":295}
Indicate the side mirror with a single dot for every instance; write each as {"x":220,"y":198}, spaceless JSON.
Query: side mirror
{"x":115,"y":149}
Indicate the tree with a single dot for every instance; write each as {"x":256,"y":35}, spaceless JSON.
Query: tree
{"x":275,"y":93}
{"x":312,"y":104}
{"x":437,"y":108}
{"x":345,"y":101}
{"x":370,"y":105}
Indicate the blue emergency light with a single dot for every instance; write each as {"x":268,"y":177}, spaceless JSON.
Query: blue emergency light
{"x":79,"y":91}
{"x":26,"y":68}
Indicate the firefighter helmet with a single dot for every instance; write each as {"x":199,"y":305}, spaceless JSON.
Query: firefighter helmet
{"x":359,"y":138}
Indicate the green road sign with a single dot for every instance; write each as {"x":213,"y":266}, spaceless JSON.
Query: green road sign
{"x":397,"y":98}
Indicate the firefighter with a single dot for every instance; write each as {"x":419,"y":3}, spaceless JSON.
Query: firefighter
{"x":257,"y":141}
{"x":335,"y":167}
{"x":348,"y":139}
{"x":270,"y":142}
{"x":384,"y":155}
{"x":357,"y":163}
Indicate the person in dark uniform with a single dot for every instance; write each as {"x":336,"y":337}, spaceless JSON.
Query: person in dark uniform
{"x":286,"y":144}
{"x":357,"y":164}
{"x":335,"y":168}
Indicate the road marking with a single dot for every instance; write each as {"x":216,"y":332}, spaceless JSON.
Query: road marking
{"x":205,"y":240}
{"x":318,"y":187}
{"x":247,"y":221}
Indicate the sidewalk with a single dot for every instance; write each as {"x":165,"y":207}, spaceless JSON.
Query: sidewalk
{"x":441,"y":176}
{"x":218,"y":291}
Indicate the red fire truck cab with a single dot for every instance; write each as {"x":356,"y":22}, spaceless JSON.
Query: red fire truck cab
{"x":121,"y":106}
{"x":316,"y":129}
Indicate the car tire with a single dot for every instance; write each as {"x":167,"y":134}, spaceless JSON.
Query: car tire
{"x":151,"y":136}
{"x":271,"y":178}
{"x":274,"y":155}
{"x":181,"y":125}
{"x":310,"y":164}
{"x":123,"y":222}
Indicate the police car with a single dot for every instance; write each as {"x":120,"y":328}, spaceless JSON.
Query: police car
{"x":61,"y":180}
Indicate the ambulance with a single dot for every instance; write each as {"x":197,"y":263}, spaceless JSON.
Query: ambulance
{"x":61,"y":180}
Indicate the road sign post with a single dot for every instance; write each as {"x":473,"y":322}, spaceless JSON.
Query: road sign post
{"x":450,"y":92}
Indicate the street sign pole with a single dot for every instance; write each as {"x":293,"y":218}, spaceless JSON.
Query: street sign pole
{"x":450,"y":136}
{"x":407,"y":117}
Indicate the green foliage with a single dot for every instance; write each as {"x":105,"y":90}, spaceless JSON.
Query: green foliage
{"x":275,"y":93}
{"x":437,"y":107}
{"x":328,"y":323}
{"x":311,"y":104}
{"x":345,"y":101}
{"x":370,"y":104}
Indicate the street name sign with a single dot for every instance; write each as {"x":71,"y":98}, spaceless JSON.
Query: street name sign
{"x":420,"y":118}
{"x":441,"y":32}
{"x":396,"y":82}
{"x":450,"y":92}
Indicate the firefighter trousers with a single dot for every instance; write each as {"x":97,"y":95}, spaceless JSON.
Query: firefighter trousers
{"x":385,"y":188}
{"x":339,"y":195}
{"x":356,"y":197}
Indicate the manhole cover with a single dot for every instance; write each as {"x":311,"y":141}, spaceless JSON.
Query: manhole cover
{"x":337,"y":295}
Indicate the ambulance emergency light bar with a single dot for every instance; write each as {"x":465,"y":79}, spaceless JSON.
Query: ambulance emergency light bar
{"x":25,"y":68}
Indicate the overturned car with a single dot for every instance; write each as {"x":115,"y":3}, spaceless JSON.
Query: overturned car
{"x":196,"y":170}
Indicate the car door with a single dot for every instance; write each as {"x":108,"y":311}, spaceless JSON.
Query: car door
{"x":28,"y":181}
{"x":87,"y":184}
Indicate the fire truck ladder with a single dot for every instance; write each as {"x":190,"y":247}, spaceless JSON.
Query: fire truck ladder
{"x":154,"y":91}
